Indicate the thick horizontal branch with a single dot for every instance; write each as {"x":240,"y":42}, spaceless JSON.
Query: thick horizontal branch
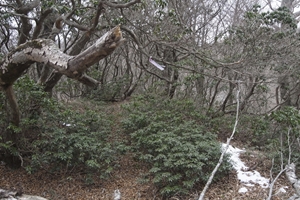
{"x":102,"y":48}
{"x":45,"y":51}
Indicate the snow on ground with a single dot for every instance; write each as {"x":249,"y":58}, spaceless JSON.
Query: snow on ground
{"x":248,"y":178}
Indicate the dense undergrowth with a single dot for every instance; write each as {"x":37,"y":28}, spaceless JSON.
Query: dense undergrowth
{"x":171,"y":137}
{"x":176,"y":140}
{"x":62,"y":137}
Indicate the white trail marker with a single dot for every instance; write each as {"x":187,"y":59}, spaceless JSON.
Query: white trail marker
{"x":161,"y":67}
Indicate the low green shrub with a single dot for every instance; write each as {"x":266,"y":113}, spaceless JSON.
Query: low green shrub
{"x":61,"y":137}
{"x":30,"y":99}
{"x":74,"y":139}
{"x":170,"y":137}
{"x":255,"y":131}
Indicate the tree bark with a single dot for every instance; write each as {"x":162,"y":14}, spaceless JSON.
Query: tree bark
{"x":170,"y":73}
{"x":55,"y":77}
{"x":45,"y":51}
{"x":11,"y":134}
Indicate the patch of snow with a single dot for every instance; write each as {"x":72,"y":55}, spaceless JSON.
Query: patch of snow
{"x":117,"y":195}
{"x":248,"y":178}
{"x":282,"y":190}
{"x":243,"y":190}
{"x":251,"y":177}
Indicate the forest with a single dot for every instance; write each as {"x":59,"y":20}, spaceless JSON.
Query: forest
{"x":140,"y":99}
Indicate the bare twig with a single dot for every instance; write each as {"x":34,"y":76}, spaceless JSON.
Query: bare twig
{"x":291,"y":172}
{"x":226,"y":148}
{"x":282,"y":169}
{"x":21,"y":158}
{"x":274,"y":181}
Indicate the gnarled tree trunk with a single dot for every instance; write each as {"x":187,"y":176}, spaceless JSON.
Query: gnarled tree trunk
{"x":46,"y":52}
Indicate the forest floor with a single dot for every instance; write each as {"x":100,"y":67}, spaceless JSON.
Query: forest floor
{"x":126,"y":179}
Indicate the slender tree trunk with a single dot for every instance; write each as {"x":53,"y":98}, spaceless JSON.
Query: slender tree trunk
{"x":170,"y":73}
{"x":10,"y":135}
{"x":200,"y":92}
{"x":284,"y":81}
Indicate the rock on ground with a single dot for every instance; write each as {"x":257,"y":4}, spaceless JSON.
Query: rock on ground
{"x":11,"y":195}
